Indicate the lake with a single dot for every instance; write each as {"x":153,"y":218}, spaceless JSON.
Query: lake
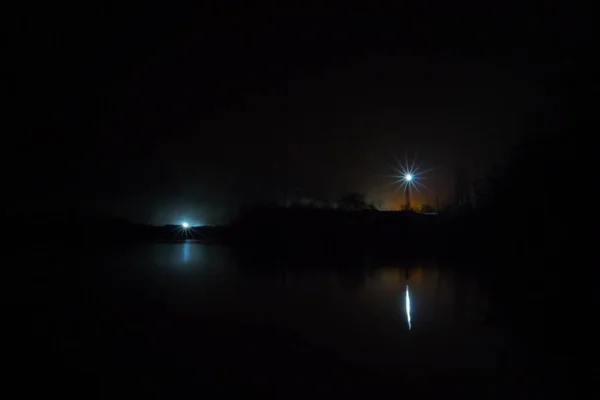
{"x":169,"y":315}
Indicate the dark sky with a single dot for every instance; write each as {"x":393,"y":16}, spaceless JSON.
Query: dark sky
{"x":157,"y":114}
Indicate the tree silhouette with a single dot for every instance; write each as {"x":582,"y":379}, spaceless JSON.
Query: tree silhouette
{"x":520,"y":204}
{"x":353,"y":202}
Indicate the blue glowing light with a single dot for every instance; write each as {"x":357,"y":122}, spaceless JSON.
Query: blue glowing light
{"x":185,"y":225}
{"x":186,"y":253}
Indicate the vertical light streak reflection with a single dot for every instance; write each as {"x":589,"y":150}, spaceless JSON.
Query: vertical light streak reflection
{"x":186,"y":252}
{"x":408,"y":308}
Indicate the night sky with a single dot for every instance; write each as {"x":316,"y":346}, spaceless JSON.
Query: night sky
{"x":162,"y":114}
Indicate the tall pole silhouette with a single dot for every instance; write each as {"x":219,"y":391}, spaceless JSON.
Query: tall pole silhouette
{"x":408,"y":178}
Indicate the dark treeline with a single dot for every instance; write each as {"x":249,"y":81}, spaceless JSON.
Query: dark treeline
{"x":513,"y":231}
{"x":91,"y":230}
{"x":331,"y":230}
{"x":527,"y":241}
{"x":514,"y":210}
{"x":517,"y":206}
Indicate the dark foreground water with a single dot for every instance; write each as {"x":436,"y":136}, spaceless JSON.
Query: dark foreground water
{"x":189,"y":317}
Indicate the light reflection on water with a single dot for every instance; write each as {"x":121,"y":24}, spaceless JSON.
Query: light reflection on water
{"x":186,"y":252}
{"x":194,"y":299}
{"x":431,"y":296}
{"x":359,"y":312}
{"x":407,"y":307}
{"x":170,"y":255}
{"x":421,"y":296}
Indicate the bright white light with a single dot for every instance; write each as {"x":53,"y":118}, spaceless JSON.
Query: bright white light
{"x":408,"y":307}
{"x":408,"y":175}
{"x":185,"y":225}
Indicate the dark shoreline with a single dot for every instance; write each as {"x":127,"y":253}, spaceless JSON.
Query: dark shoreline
{"x":275,"y":232}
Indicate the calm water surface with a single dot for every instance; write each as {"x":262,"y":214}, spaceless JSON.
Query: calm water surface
{"x":198,"y":312}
